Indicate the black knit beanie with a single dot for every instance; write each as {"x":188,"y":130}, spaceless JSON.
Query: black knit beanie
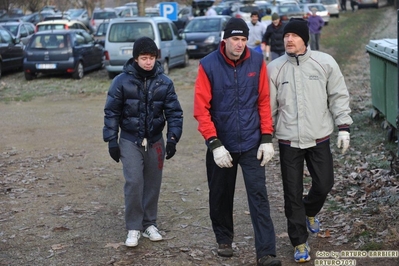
{"x":236,"y":27}
{"x":298,"y":26}
{"x":144,"y":45}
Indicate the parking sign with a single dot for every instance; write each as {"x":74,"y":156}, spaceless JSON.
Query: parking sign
{"x":169,"y":10}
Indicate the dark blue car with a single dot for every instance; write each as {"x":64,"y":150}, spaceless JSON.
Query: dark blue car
{"x":11,"y":51}
{"x":62,"y":51}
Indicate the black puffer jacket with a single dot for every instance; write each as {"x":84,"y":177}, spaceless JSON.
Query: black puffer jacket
{"x":274,"y":37}
{"x":141,"y":107}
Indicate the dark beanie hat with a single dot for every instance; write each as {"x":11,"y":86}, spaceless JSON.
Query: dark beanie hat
{"x":144,"y":45}
{"x":298,"y":26}
{"x":236,"y":27}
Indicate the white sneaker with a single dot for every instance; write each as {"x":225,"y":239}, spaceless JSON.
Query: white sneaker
{"x":152,"y":233}
{"x":133,"y":237}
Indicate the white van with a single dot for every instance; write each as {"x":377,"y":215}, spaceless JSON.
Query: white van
{"x":122,"y":32}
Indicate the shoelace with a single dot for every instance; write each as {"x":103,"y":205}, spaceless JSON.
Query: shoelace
{"x":301,"y":248}
{"x":311,"y":220}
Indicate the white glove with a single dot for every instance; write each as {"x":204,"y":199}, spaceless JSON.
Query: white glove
{"x":222,"y":157}
{"x":266,"y":151}
{"x":343,"y":139}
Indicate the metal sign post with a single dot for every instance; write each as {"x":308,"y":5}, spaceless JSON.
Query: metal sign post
{"x":397,"y":118}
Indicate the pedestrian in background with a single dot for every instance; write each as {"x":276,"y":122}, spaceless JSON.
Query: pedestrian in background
{"x":267,"y":18}
{"x":343,"y":5}
{"x":256,"y":32}
{"x":232,"y":107}
{"x":272,"y":41}
{"x":308,"y":96}
{"x":140,"y":101}
{"x":315,"y":23}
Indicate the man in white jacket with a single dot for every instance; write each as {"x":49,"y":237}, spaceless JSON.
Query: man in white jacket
{"x":256,"y":32}
{"x":308,"y":96}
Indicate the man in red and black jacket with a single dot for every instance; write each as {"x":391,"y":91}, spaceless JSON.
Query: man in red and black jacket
{"x":232,"y":107}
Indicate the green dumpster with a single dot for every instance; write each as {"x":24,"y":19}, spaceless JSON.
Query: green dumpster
{"x":384,"y":77}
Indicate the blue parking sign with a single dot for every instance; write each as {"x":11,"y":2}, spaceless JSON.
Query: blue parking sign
{"x":168,"y":10}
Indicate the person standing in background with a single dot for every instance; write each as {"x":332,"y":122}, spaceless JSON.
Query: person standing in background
{"x":272,"y":41}
{"x":140,"y":102}
{"x":211,"y":12}
{"x":256,"y":32}
{"x":315,"y":23}
{"x":343,"y":5}
{"x":231,"y":105}
{"x":308,"y":97}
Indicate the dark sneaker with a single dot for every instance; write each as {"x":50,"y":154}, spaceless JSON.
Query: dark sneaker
{"x":225,"y":250}
{"x":268,"y":261}
{"x":313,"y":224}
{"x":301,"y":253}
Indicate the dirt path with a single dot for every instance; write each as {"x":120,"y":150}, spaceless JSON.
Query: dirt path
{"x":62,"y":196}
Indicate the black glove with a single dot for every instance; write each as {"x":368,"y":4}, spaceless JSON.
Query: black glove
{"x":170,"y":150}
{"x":114,"y":151}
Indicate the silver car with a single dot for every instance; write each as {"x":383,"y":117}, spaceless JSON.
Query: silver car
{"x":122,"y":33}
{"x":321,"y":11}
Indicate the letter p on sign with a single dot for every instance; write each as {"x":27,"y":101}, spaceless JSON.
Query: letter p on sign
{"x":168,"y":10}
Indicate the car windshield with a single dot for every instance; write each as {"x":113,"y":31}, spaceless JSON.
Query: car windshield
{"x":318,"y":7}
{"x":104,"y":15}
{"x":11,"y":28}
{"x":50,"y":27}
{"x":129,"y":32}
{"x":203,"y":25}
{"x":249,"y":9}
{"x":50,"y":41}
{"x":288,"y":8}
{"x":76,"y":13}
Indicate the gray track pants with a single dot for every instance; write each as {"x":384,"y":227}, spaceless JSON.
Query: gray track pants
{"x":143,"y":176}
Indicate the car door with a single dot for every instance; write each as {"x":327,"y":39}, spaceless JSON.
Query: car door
{"x":173,"y":47}
{"x":86,"y":48}
{"x":11,"y":52}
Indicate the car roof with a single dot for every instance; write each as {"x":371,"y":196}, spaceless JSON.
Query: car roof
{"x":206,"y":17}
{"x":140,"y":19}
{"x":46,"y":32}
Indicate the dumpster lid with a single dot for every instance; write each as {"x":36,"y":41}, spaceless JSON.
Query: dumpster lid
{"x":386,"y":48}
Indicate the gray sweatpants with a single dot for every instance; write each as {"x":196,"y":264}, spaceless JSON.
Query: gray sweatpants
{"x":143,"y":176}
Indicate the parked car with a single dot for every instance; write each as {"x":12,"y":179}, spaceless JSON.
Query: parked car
{"x":243,"y":11}
{"x":367,"y":3}
{"x":321,"y":11}
{"x":101,"y":15}
{"x":288,"y":11}
{"x":21,"y":30}
{"x":122,"y":33}
{"x":333,"y":6}
{"x":80,"y":14}
{"x":62,"y":51}
{"x":61,"y":24}
{"x":11,"y":51}
{"x":203,"y":34}
{"x":36,"y":17}
{"x":127,"y":11}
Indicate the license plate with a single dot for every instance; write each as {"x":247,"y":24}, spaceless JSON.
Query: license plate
{"x":127,"y":52}
{"x":191,"y":47}
{"x":46,"y":66}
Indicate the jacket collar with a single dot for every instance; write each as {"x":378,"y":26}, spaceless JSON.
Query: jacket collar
{"x":298,"y":59}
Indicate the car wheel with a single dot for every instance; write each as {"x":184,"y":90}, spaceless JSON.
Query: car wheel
{"x":186,"y":60}
{"x":29,"y":76}
{"x":165,"y":66}
{"x":111,"y":75}
{"x":0,"y":70}
{"x":79,"y":71}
